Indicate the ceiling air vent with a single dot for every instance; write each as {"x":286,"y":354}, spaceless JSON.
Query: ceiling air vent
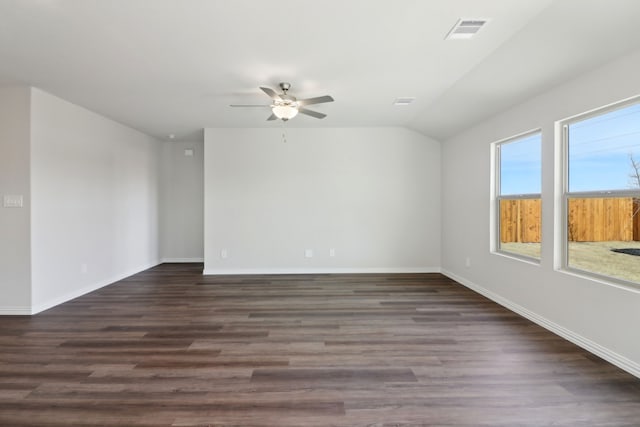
{"x":403,"y":101}
{"x":465,"y":28}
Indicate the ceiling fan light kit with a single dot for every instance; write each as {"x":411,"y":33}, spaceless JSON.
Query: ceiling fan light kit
{"x":286,"y":107}
{"x":284,"y":110}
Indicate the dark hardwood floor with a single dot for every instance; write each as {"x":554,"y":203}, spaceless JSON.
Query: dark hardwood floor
{"x":170,"y":347}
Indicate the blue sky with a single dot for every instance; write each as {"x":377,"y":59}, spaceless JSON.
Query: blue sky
{"x":599,"y":150}
{"x":520,"y":163}
{"x":599,"y":155}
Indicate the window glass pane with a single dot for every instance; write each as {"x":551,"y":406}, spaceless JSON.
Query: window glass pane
{"x":604,"y":151}
{"x":521,"y":166}
{"x":604,"y":236}
{"x":520,"y":173}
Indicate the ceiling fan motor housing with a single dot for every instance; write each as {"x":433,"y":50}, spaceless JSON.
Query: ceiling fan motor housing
{"x":285,"y":86}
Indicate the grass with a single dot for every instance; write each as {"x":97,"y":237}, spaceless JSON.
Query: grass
{"x":595,"y":257}
{"x":531,"y":250}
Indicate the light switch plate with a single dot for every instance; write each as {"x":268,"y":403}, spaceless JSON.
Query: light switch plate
{"x":12,"y":201}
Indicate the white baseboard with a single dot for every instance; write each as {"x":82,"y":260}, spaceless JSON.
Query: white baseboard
{"x":611,"y":356}
{"x":182,"y":260}
{"x":15,"y":311}
{"x":90,"y":288}
{"x":326,"y":270}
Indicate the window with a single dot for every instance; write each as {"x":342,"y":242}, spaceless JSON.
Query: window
{"x":518,"y":181}
{"x":602,"y":193}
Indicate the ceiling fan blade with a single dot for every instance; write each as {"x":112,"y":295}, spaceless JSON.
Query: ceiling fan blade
{"x":270,"y":92}
{"x":272,"y":117}
{"x":311,"y":113}
{"x":317,"y":100}
{"x":248,"y":105}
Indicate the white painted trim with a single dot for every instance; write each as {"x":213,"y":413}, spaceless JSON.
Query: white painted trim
{"x":15,"y":311}
{"x":326,"y":270}
{"x":90,"y":288}
{"x":609,"y":355}
{"x":182,"y":260}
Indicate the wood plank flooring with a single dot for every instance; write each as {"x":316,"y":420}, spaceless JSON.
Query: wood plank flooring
{"x":170,"y":347}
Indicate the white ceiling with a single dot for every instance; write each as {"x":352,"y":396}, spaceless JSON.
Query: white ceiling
{"x":174,"y":66}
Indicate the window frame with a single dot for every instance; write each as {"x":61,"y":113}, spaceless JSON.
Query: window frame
{"x":566,"y":195}
{"x":498,"y":197}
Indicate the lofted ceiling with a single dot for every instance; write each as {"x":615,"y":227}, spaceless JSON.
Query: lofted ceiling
{"x":174,"y":66}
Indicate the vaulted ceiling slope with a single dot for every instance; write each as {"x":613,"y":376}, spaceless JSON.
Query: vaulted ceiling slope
{"x":174,"y":66}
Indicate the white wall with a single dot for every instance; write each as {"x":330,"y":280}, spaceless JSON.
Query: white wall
{"x":372,"y":194}
{"x":182,"y":197}
{"x":15,"y":245}
{"x":95,"y":204}
{"x":601,"y":317}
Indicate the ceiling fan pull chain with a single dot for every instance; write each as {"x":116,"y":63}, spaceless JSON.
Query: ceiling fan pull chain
{"x":284,"y":137}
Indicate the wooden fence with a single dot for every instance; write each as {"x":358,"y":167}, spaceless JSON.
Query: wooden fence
{"x":520,"y":220}
{"x":590,"y":220}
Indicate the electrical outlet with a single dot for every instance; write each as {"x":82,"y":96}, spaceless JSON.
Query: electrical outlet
{"x":224,"y":254}
{"x":467,"y":262}
{"x":332,"y":252}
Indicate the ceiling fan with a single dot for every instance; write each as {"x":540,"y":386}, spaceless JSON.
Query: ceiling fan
{"x":285,"y":106}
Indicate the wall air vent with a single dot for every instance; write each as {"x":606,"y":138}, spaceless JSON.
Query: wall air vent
{"x":465,"y":28}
